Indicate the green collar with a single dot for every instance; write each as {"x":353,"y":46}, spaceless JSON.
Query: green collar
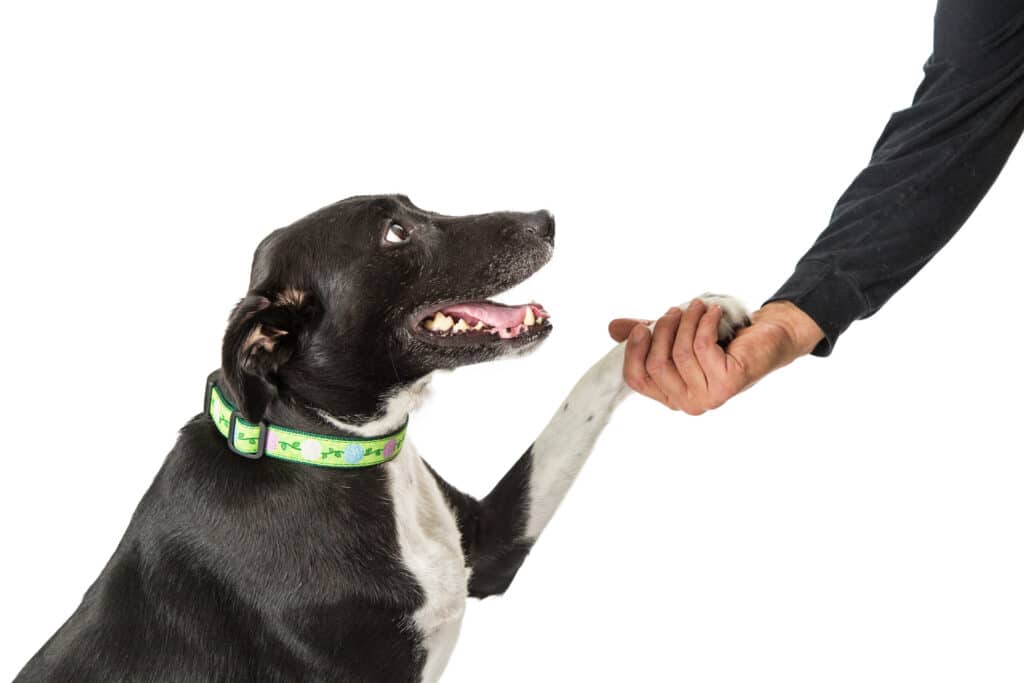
{"x":256,"y":440}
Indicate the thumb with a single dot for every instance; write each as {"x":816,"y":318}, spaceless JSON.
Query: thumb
{"x":620,"y":328}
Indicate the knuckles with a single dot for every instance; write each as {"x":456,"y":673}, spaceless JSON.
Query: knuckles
{"x":658,"y":365}
{"x":701,"y":344}
{"x":680,"y":357}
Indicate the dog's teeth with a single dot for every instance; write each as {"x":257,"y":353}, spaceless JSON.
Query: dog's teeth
{"x":540,"y":320}
{"x":530,"y":318}
{"x":461,"y":326}
{"x":439,"y":323}
{"x":479,"y":325}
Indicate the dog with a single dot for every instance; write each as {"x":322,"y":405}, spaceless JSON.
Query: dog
{"x":293,"y":533}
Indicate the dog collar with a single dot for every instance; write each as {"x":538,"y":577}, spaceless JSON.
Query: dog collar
{"x":256,"y":440}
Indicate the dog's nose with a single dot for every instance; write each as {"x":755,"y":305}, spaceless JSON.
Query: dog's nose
{"x":542,"y":224}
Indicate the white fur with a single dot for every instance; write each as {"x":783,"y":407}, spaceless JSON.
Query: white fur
{"x":734,"y":313}
{"x":562,"y":448}
{"x":431,"y":549}
{"x":428,"y":536}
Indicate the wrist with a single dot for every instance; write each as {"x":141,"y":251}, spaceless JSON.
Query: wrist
{"x":804,"y":334}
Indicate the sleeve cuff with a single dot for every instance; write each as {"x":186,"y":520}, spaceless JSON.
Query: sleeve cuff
{"x":832,"y":299}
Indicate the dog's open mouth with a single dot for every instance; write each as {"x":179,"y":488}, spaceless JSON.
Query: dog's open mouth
{"x":484,"y":320}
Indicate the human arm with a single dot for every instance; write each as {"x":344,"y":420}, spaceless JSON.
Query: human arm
{"x":931,"y":168}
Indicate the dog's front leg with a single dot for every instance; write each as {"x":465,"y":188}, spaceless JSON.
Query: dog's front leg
{"x":560,"y":451}
{"x":498,"y":531}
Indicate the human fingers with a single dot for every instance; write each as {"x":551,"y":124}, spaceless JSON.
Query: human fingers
{"x":724,"y":378}
{"x":620,"y":328}
{"x":659,"y":359}
{"x":634,"y":369}
{"x":683,"y":355}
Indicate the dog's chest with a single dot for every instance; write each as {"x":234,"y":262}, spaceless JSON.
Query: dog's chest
{"x":431,"y":549}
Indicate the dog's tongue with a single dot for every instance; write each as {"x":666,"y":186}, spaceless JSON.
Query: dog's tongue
{"x":495,"y":315}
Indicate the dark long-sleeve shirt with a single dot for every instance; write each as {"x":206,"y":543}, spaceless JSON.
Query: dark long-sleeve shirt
{"x":932,"y":166}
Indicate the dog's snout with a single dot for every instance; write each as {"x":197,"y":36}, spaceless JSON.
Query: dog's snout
{"x":542,"y":224}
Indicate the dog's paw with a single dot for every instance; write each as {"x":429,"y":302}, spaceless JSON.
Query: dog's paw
{"x":734,"y":315}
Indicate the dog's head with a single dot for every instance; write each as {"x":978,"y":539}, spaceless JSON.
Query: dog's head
{"x":366,"y":296}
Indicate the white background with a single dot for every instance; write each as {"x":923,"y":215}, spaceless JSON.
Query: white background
{"x":850,"y":519}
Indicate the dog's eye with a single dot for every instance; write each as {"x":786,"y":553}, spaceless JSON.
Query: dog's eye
{"x":397,"y":233}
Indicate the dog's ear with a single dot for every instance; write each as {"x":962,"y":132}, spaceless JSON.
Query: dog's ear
{"x":264,"y":332}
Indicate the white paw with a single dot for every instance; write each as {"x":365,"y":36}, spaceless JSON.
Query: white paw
{"x":734,"y":315}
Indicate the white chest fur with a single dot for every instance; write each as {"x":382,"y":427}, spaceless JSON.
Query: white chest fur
{"x":429,"y":541}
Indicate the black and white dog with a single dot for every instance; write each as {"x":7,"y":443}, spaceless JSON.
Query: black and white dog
{"x":263,"y":569}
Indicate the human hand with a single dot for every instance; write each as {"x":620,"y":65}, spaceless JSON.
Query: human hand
{"x":681,"y":364}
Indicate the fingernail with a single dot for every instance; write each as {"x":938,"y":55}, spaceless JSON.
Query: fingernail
{"x":637,"y":335}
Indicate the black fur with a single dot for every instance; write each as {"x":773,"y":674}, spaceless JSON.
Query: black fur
{"x":259,"y":570}
{"x":492,"y":529}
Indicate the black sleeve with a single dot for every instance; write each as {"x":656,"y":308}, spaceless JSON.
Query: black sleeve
{"x":929,"y":171}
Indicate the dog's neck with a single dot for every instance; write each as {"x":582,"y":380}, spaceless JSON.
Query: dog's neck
{"x":393,"y":413}
{"x":389,"y":412}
